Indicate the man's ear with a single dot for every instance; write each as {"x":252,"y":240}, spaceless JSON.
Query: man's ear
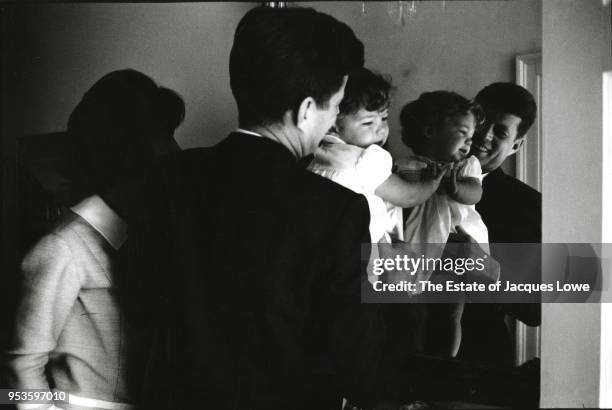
{"x":305,"y":111}
{"x":518,"y":143}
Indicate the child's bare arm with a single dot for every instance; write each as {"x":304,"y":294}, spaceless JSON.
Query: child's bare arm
{"x":407,"y":194}
{"x":467,"y":190}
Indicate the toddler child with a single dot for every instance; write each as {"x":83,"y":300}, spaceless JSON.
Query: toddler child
{"x":438,"y":127}
{"x":351,"y":154}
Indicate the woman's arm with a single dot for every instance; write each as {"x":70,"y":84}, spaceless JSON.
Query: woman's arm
{"x":50,"y":288}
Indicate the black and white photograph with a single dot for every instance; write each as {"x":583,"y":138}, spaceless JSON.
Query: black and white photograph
{"x":330,"y":205}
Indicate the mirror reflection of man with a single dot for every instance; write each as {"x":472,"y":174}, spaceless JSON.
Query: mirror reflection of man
{"x":252,"y":275}
{"x":511,"y":210}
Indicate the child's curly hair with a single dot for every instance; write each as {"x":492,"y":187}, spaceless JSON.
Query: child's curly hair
{"x":366,"y":89}
{"x":430,"y":110}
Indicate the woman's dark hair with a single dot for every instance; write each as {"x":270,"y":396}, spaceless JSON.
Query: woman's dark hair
{"x":281,"y":56}
{"x":116,"y":128}
{"x":171,"y":108}
{"x":430,"y":110}
{"x":366,"y":89}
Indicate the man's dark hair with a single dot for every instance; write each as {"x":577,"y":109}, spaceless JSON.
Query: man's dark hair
{"x":116,"y":129}
{"x":282,"y":56}
{"x":366,"y":89}
{"x":509,"y":98}
{"x":430,"y":110}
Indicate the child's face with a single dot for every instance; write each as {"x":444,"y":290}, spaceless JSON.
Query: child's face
{"x":364,"y":128}
{"x":452,"y":139}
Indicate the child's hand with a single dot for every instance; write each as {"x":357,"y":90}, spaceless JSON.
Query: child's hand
{"x":411,"y":183}
{"x":448,"y":172}
{"x":443,"y":168}
{"x":412,"y":169}
{"x":440,"y":172}
{"x":451,"y":187}
{"x":421,"y":169}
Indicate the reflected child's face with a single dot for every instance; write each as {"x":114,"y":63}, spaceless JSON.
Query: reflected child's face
{"x":451,"y":140}
{"x":364,"y":128}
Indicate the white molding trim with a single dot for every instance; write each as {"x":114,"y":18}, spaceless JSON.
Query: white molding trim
{"x":527,"y":340}
{"x":525,"y":64}
{"x":605,"y":376}
{"x":521,"y":343}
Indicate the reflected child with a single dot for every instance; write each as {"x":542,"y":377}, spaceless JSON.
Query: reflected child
{"x":438,"y":128}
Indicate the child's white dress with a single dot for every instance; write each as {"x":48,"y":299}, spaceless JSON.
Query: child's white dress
{"x":433,"y":220}
{"x":361,"y":170}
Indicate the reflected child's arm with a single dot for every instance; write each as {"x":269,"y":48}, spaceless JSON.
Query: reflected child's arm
{"x":407,"y":194}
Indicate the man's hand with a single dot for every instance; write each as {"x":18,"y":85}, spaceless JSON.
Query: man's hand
{"x":461,"y":236}
{"x":472,"y":250}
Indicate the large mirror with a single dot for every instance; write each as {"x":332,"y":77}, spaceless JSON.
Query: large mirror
{"x":51,"y":53}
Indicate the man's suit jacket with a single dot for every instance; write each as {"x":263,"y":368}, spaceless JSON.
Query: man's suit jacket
{"x":251,"y":281}
{"x":512,"y":212}
{"x":253,"y":278}
{"x":511,"y":209}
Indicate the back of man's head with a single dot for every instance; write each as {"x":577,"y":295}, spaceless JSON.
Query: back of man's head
{"x":509,"y":98}
{"x":282,"y":56}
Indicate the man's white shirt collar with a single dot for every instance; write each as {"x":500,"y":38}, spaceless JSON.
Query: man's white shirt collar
{"x":243,"y":131}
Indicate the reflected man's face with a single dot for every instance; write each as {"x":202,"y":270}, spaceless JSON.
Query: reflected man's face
{"x":496,"y":140}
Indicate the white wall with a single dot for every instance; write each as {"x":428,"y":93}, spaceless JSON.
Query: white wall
{"x":453,"y":45}
{"x":57,"y":51}
{"x":52,"y":53}
{"x":576,"y":52}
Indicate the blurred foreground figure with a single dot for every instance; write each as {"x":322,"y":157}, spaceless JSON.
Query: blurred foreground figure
{"x":71,"y":333}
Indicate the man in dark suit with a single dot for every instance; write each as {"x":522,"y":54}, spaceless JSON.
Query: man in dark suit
{"x":511,"y":210}
{"x":252,"y":274}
